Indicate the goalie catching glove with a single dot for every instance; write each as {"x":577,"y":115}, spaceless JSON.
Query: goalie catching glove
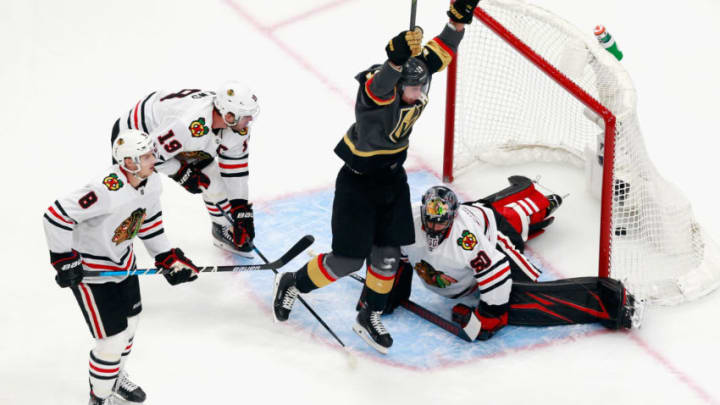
{"x":404,"y":45}
{"x":69,"y":268}
{"x":243,"y":222}
{"x":483,"y":322}
{"x":461,"y":11}
{"x":182,"y":270}
{"x":192,"y":178}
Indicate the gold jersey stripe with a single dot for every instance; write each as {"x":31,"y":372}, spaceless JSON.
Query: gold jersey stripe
{"x":317,"y":273}
{"x":360,"y":153}
{"x":442,"y":52}
{"x":377,"y":100}
{"x":378,"y":283}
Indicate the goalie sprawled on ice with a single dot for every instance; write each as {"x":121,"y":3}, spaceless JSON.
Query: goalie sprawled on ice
{"x":476,"y":248}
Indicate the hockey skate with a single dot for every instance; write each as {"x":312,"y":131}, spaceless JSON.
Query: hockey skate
{"x":555,"y":201}
{"x":285,"y":294}
{"x":127,"y":390}
{"x":222,"y":238}
{"x":369,"y":327}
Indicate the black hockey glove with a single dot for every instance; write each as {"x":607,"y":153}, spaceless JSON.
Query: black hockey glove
{"x":461,"y":11}
{"x":243,"y":222}
{"x":69,"y":268}
{"x":404,"y":45}
{"x":182,"y":270}
{"x":192,"y":178}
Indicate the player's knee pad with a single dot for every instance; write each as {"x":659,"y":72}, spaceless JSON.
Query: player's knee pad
{"x":341,"y":266}
{"x":111,"y":348}
{"x":385,"y":259}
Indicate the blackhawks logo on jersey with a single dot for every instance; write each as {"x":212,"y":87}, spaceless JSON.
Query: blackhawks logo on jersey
{"x":129,"y":227}
{"x":467,"y":241}
{"x":431,"y":276}
{"x":198,"y":128}
{"x":113,"y":182}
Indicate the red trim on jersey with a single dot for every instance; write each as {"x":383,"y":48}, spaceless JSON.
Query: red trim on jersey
{"x":137,"y":107}
{"x":131,"y":256}
{"x":151,"y":226}
{"x":88,"y":301}
{"x":500,"y":273}
{"x":381,"y":277}
{"x":238,"y":166}
{"x":375,"y":98}
{"x":104,"y":370}
{"x":444,"y":46}
{"x":520,"y":257}
{"x":323,"y":269}
{"x":52,"y":211}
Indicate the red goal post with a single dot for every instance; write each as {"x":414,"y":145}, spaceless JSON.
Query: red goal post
{"x":525,"y":86}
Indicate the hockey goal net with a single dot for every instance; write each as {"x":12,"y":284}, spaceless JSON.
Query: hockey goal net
{"x":528,"y":86}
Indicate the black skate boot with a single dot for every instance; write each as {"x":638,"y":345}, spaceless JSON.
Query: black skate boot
{"x":222,"y":238}
{"x":555,"y":201}
{"x":285,"y":294}
{"x":369,"y":327}
{"x":127,"y":390}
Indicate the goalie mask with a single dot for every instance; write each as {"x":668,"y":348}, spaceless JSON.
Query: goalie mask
{"x":439,"y":206}
{"x":132,"y":144}
{"x":415,"y":73}
{"x":237,"y":99}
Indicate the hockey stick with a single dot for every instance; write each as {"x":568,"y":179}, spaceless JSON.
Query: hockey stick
{"x":299,"y":246}
{"x":229,"y":218}
{"x":429,"y":316}
{"x":413,"y":12}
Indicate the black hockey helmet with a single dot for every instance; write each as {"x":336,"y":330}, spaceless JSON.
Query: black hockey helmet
{"x":439,"y":207}
{"x":415,"y":73}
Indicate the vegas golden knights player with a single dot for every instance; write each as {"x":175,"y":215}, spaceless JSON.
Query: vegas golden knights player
{"x":372,"y":216}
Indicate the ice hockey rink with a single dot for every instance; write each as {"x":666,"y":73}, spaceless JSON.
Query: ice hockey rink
{"x":70,"y":68}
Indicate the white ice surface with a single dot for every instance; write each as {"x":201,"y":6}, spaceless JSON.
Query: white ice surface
{"x":69,"y":68}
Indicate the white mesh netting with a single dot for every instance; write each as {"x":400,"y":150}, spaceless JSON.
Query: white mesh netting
{"x":509,"y":111}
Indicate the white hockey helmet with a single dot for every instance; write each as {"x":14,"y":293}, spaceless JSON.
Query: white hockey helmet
{"x":132,"y":144}
{"x":236,"y":98}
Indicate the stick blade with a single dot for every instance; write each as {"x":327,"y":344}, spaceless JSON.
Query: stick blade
{"x":298,"y":248}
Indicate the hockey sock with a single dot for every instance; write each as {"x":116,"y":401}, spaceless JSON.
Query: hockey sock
{"x":130,"y":334}
{"x":314,"y":275}
{"x":105,"y":360}
{"x":379,"y":283}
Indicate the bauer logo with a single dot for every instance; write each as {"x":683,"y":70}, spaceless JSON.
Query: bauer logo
{"x":113,"y":182}
{"x":467,"y":241}
{"x":198,"y":128}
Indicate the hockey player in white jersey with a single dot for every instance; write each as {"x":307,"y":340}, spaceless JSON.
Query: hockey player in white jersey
{"x":202,"y":139}
{"x":476,"y":249}
{"x":93,"y":228}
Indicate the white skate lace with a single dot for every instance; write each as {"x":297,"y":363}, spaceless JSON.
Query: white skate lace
{"x":289,"y":298}
{"x":125,"y":383}
{"x":375,"y":322}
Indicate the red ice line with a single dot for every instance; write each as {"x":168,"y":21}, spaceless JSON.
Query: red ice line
{"x":267,"y":31}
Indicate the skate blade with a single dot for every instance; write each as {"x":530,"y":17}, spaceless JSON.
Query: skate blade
{"x":364,"y":336}
{"x":226,"y":248}
{"x":276,"y":283}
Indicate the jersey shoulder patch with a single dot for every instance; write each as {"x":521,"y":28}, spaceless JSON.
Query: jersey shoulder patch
{"x":113,"y":182}
{"x":198,"y":127}
{"x":467,"y":240}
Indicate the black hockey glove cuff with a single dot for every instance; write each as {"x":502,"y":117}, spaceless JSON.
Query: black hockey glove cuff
{"x":243,"y":222}
{"x":180,"y":268}
{"x":69,"y":268}
{"x":461,"y":11}
{"x":404,"y":45}
{"x":191,"y":178}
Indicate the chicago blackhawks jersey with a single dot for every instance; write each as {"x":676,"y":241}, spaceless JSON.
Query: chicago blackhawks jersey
{"x":181,"y":124}
{"x":474,"y":255}
{"x":101,"y":219}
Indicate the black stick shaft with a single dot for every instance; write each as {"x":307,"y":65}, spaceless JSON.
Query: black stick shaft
{"x":413,"y":12}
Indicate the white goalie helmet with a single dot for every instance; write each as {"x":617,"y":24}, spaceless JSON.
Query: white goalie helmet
{"x":132,"y":144}
{"x":236,"y":98}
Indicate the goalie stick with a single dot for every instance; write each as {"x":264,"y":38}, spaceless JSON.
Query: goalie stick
{"x":413,"y":12}
{"x":429,"y":316}
{"x":299,"y":246}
